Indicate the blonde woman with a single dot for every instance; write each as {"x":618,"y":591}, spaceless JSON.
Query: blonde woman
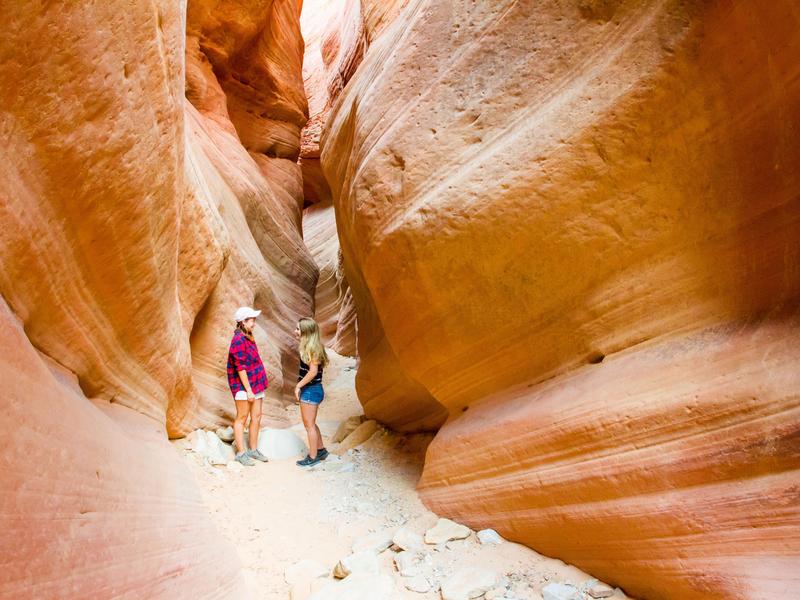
{"x":308,"y":390}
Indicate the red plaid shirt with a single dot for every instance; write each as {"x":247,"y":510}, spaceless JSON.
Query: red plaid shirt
{"x":243,"y":356}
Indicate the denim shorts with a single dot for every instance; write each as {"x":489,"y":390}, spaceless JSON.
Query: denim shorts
{"x":312,"y":394}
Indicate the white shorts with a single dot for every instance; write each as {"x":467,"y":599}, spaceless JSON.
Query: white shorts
{"x":242,"y":395}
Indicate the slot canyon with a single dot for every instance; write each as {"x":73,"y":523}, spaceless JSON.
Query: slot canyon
{"x":556,"y":244}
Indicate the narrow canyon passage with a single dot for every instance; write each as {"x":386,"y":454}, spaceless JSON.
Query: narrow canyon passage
{"x":292,"y":527}
{"x":554,"y":244}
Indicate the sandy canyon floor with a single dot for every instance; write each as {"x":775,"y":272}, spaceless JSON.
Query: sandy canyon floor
{"x":277,"y":514}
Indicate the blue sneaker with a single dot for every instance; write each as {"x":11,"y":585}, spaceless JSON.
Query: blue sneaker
{"x":308,"y":461}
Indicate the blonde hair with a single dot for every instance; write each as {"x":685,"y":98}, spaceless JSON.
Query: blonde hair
{"x":311,"y":348}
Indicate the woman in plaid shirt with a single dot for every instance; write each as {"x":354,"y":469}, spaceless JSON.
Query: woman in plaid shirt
{"x":248,"y":382}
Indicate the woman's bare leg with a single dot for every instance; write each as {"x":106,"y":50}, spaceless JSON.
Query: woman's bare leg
{"x":242,"y":410}
{"x":320,"y":444}
{"x":255,"y":423}
{"x":309,"y":414}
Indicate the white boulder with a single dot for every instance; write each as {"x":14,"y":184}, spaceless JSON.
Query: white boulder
{"x":280,"y":444}
{"x":207,"y":444}
{"x":489,"y":536}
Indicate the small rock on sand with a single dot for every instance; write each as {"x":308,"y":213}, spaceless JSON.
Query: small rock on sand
{"x":497,"y":593}
{"x":468,"y":583}
{"x":361,"y":563}
{"x":446,"y":530}
{"x":377,"y":542}
{"x":560,"y":591}
{"x":406,"y":563}
{"x":359,"y":587}
{"x":406,"y":539}
{"x":489,"y":536}
{"x":360,"y":435}
{"x":345,"y":428}
{"x":225,"y":434}
{"x":600,"y":590}
{"x":206,"y":443}
{"x":418,"y":584}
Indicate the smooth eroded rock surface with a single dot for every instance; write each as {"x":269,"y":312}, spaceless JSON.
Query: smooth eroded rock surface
{"x":335,"y":38}
{"x":149,"y":188}
{"x":88,"y":489}
{"x":571,"y":228}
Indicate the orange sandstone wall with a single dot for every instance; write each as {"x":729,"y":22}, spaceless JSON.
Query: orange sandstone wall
{"x":149,"y":187}
{"x":333,"y":300}
{"x":571,"y":230}
{"x":337,"y":34}
{"x":336,"y":39}
{"x":245,"y":110}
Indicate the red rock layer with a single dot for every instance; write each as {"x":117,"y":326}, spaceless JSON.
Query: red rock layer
{"x":578,"y":222}
{"x":149,"y":187}
{"x":94,"y":501}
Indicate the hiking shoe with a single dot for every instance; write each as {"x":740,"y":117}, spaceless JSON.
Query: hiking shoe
{"x":308,"y":461}
{"x":243,"y":458}
{"x":322,"y":454}
{"x":257,"y":455}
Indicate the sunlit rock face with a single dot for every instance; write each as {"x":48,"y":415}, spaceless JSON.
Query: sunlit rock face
{"x":245,"y":110}
{"x":336,"y":39}
{"x":334,"y":308}
{"x":571,"y":230}
{"x":149,"y":188}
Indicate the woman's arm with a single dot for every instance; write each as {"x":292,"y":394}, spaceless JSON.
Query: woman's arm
{"x":246,"y":383}
{"x":312,"y":372}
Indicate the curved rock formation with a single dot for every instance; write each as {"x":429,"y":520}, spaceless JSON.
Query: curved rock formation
{"x":244,"y":86}
{"x":334,"y":308}
{"x":95,"y":502}
{"x":578,"y":222}
{"x":149,"y":187}
{"x":336,"y":40}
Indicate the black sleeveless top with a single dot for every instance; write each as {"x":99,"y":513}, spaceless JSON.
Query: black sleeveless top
{"x":304,"y":371}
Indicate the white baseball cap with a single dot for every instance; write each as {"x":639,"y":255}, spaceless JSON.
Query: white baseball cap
{"x":245,"y":312}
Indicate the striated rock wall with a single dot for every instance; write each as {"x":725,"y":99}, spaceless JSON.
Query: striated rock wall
{"x":333,"y":301}
{"x":95,"y":502}
{"x":245,"y":111}
{"x":337,"y":34}
{"x":571,"y":229}
{"x":336,"y":39}
{"x":101,"y":273}
{"x":149,"y":187}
